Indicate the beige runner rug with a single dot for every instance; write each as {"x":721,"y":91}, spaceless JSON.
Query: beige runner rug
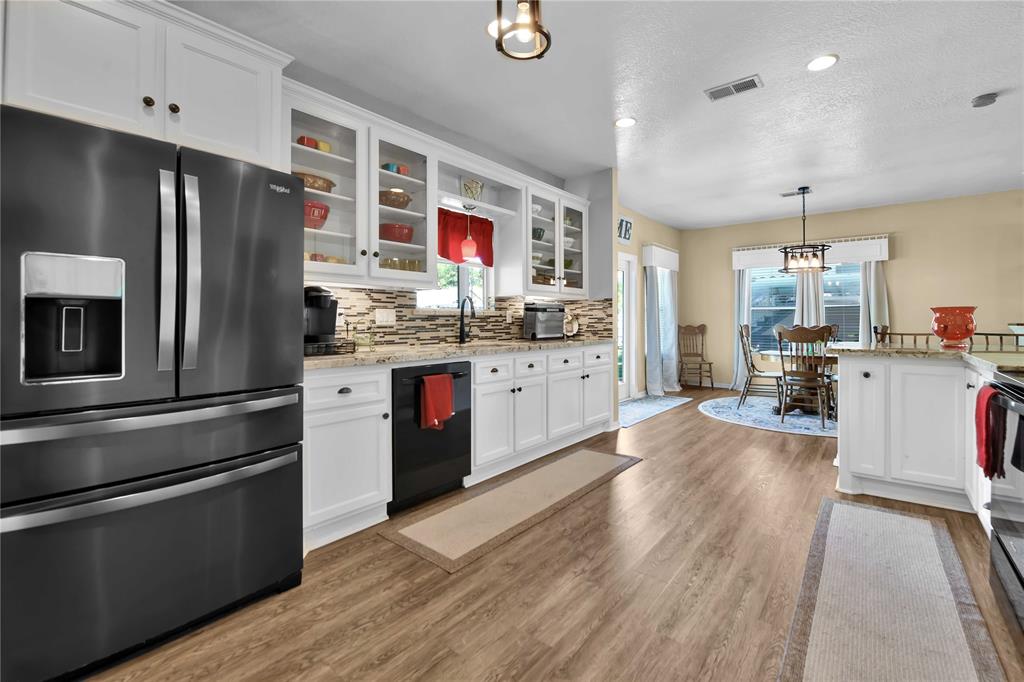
{"x":464,"y":532}
{"x":885,"y":597}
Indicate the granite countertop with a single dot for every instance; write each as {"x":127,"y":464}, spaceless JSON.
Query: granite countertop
{"x":982,"y":360}
{"x":387,"y":355}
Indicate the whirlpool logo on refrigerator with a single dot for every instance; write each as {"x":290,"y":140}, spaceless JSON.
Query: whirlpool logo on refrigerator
{"x":280,"y":189}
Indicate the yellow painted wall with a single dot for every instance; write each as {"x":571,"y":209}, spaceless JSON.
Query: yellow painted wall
{"x":645,"y":231}
{"x":962,"y":251}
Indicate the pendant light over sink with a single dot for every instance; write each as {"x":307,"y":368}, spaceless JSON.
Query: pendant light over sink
{"x":523,"y":38}
{"x":803,"y":257}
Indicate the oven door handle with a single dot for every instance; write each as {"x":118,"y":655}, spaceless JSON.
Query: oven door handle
{"x":50,"y":517}
{"x":100,"y":427}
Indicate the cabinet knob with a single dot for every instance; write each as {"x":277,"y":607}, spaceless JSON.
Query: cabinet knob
{"x":494,"y":370}
{"x":512,"y":390}
{"x":385,"y":415}
{"x":583,"y":376}
{"x":866,"y":375}
{"x":970,"y":385}
{"x":343,"y":390}
{"x":174,"y":108}
{"x":587,"y":376}
{"x":363,"y":252}
{"x":376,"y":254}
{"x":519,"y":389}
{"x":598,"y":357}
{"x":148,"y":101}
{"x":529,"y":366}
{"x":565,"y":362}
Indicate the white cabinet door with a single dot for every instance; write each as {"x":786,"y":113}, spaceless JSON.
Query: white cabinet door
{"x":863,"y":411}
{"x":227,"y":99}
{"x":90,"y":61}
{"x":927,"y":424}
{"x":493,"y":406}
{"x":347,"y":453}
{"x":565,"y":403}
{"x":572,"y":244}
{"x":597,"y":395}
{"x":531,"y":419}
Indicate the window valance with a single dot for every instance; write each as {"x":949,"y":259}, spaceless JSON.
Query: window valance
{"x":845,"y":250}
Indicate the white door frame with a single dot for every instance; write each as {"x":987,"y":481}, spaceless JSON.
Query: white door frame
{"x":628,"y":262}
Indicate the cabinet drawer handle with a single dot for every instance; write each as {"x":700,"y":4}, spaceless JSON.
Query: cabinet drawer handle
{"x":529,"y":366}
{"x":598,"y":357}
{"x":970,"y":385}
{"x":175,"y":109}
{"x":565,"y":362}
{"x":148,"y":101}
{"x":385,"y":415}
{"x":344,"y":389}
{"x":866,"y":375}
{"x":494,"y":370}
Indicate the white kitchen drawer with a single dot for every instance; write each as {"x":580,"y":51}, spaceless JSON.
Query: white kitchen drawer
{"x":345,"y":387}
{"x":565,"y":360}
{"x":593,"y":357}
{"x":486,"y":371}
{"x":530,"y":365}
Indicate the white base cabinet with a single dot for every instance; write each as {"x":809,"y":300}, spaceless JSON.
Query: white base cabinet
{"x":902,"y":429}
{"x":565,"y":403}
{"x":493,"y":421}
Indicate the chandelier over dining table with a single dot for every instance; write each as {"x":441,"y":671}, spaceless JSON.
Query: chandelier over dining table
{"x":804,"y":257}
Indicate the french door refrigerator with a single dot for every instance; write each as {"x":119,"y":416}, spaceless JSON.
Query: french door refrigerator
{"x":150,"y":418}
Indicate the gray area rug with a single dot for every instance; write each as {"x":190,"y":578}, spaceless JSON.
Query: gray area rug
{"x":885,"y":597}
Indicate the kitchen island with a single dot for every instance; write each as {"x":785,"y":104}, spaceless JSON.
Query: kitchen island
{"x":906,"y":424}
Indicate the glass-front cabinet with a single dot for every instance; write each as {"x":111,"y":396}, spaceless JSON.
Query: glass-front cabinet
{"x":328,"y":152}
{"x":403,"y":210}
{"x":555,"y":245}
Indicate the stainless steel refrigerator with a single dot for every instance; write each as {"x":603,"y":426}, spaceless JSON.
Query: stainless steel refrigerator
{"x":150,"y":418}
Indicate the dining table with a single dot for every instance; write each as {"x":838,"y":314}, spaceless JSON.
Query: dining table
{"x":831,"y":359}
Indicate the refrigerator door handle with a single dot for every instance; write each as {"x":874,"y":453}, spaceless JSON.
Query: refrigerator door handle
{"x":34,"y":434}
{"x":81,"y":511}
{"x":168,"y":272}
{"x":194,"y":273}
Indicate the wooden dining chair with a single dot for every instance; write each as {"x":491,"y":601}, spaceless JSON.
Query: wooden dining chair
{"x":691,"y":355}
{"x":759,"y":382}
{"x":804,"y":383}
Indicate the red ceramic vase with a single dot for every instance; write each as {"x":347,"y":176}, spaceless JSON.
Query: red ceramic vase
{"x":954,"y":325}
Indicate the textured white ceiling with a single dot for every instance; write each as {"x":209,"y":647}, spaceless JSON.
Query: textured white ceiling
{"x":891,"y":123}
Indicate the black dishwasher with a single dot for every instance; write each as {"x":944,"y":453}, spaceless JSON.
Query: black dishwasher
{"x":427,"y":462}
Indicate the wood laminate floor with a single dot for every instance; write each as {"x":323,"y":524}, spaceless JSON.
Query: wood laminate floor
{"x":686,"y":566}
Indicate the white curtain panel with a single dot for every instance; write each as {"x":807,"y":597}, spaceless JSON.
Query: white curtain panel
{"x":668,"y":281}
{"x":874,"y":299}
{"x":810,"y":300}
{"x":742,"y":316}
{"x":652,"y":333}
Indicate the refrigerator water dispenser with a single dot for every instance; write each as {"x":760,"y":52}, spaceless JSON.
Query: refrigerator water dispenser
{"x":72,"y":318}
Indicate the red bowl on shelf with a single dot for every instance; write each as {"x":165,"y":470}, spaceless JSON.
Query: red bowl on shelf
{"x":315,"y":214}
{"x":396,"y":232}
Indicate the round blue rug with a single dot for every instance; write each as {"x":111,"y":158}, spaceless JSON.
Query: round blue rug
{"x":757,"y":413}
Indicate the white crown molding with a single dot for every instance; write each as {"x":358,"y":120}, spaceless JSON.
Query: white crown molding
{"x":190,"y":20}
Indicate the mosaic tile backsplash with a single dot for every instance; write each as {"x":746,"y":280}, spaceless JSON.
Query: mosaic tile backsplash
{"x":358,"y":305}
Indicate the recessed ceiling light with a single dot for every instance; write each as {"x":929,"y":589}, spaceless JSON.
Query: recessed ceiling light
{"x":625,"y":122}
{"x":823,"y":62}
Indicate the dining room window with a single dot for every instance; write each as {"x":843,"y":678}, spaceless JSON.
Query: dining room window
{"x":772,"y":302}
{"x":842,"y":299}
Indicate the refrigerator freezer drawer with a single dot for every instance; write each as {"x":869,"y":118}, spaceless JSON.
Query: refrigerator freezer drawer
{"x":41,"y":457}
{"x":94,"y":578}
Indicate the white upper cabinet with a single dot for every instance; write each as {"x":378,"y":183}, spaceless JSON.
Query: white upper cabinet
{"x":93,"y":62}
{"x":572,"y":247}
{"x":220,"y":98}
{"x":146,"y":68}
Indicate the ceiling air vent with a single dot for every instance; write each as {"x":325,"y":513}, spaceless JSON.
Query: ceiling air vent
{"x":736,"y":87}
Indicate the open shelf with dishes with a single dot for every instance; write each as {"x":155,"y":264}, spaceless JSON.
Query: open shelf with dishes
{"x":403,"y":213}
{"x":326,"y":155}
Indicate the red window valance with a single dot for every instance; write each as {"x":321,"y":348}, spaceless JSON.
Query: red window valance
{"x":451,"y":230}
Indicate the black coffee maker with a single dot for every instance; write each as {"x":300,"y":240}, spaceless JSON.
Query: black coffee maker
{"x":321,"y":317}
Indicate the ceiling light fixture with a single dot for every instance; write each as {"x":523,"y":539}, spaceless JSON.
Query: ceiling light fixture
{"x":823,"y":62}
{"x":522,"y":39}
{"x":804,"y":257}
{"x":625,"y":122}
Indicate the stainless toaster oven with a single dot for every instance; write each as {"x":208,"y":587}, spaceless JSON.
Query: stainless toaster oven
{"x":543,"y":321}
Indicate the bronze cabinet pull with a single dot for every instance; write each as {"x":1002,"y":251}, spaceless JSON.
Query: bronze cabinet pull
{"x":175,"y":109}
{"x":148,"y":101}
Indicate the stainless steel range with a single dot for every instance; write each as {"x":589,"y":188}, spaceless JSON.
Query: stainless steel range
{"x":151,"y":317}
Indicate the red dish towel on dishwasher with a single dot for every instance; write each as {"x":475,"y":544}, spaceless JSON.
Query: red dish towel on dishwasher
{"x":436,"y":401}
{"x":990,"y":430}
